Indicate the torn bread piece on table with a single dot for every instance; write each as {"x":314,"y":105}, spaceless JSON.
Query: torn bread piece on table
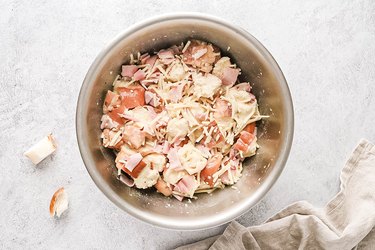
{"x":42,"y":149}
{"x":59,"y":203}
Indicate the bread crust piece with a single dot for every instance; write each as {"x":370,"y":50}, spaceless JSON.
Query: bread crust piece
{"x":59,"y":198}
{"x":42,"y":149}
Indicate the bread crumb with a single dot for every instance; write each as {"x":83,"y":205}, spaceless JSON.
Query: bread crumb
{"x":59,"y":203}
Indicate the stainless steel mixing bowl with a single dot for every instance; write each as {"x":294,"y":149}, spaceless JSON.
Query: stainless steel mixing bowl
{"x":275,"y":133}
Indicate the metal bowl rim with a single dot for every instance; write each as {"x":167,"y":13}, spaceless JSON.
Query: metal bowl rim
{"x":175,"y":224}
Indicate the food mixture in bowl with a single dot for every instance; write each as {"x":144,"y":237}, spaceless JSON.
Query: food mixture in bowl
{"x":180,"y":121}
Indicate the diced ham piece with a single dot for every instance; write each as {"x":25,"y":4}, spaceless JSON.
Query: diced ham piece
{"x":166,"y":56}
{"x":128,"y":70}
{"x":174,"y":161}
{"x":133,"y":136}
{"x":166,"y":53}
{"x":229,"y":76}
{"x":244,"y":141}
{"x":213,"y":165}
{"x":152,"y":99}
{"x":176,"y":49}
{"x":133,"y":161}
{"x":178,"y":197}
{"x":151,"y":60}
{"x":181,"y":187}
{"x":167,"y":61}
{"x":132,"y":96}
{"x":136,"y":170}
{"x":186,"y":185}
{"x":252,"y":96}
{"x":144,"y":58}
{"x":139,"y":75}
{"x":240,"y":145}
{"x":222,"y":109}
{"x":148,"y":96}
{"x":245,"y":86}
{"x":246,"y":137}
{"x":121,"y":156}
{"x":250,"y":128}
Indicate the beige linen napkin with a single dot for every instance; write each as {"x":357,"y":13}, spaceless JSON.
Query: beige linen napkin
{"x":346,"y":222}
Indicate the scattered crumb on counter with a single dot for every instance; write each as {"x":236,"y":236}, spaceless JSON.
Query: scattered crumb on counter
{"x":59,"y":203}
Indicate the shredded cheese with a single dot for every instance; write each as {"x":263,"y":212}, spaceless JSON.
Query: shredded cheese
{"x":186,"y":46}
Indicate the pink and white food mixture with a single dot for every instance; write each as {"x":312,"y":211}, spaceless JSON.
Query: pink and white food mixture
{"x":180,"y":121}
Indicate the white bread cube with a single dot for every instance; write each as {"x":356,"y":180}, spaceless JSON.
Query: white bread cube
{"x":42,"y":149}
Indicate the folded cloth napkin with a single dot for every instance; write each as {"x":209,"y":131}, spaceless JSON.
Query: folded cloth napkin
{"x":346,"y":222}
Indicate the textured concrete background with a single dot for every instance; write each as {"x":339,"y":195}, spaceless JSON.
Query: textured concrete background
{"x":325,"y":48}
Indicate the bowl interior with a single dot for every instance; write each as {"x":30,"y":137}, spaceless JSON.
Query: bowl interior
{"x":274,"y":133}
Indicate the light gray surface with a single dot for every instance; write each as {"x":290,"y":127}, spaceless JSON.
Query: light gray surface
{"x":327,"y":53}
